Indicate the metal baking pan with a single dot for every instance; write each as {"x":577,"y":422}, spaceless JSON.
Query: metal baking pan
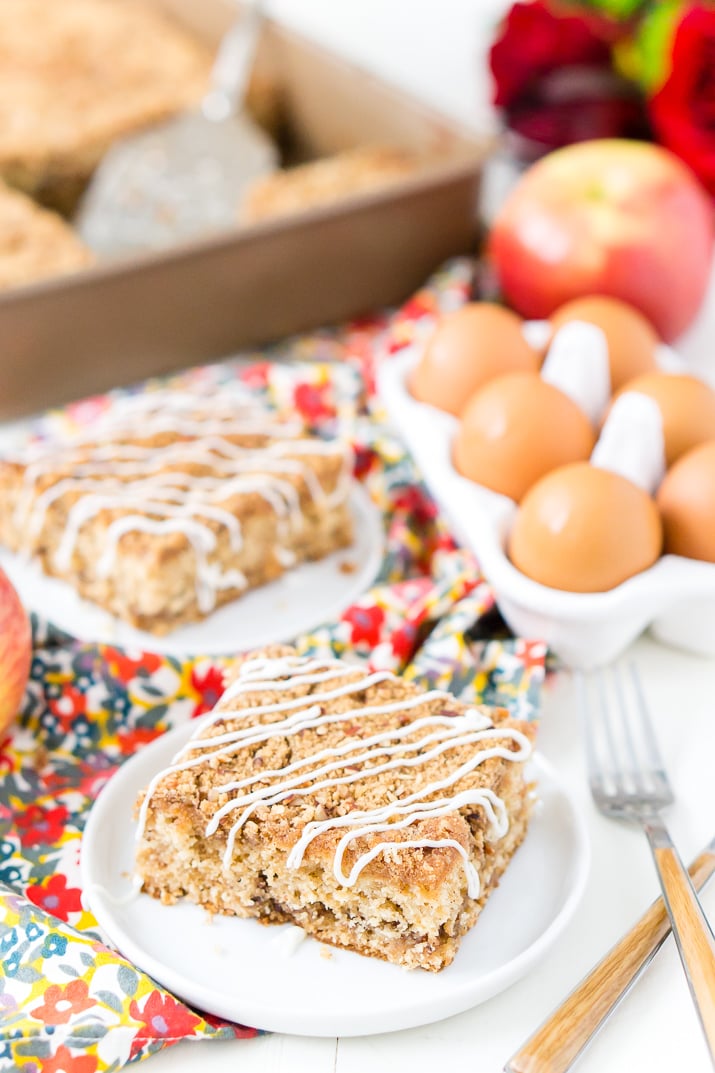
{"x":121,"y":321}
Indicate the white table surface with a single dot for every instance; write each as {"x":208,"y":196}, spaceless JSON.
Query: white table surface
{"x":436,"y":50}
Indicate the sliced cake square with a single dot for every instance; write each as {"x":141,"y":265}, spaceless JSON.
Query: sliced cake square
{"x":176,"y":503}
{"x":374,"y":815}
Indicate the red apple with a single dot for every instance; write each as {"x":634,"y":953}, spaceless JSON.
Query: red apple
{"x":611,"y":216}
{"x":15,"y":651}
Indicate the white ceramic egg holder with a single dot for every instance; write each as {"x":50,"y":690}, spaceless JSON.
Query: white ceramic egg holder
{"x":675,"y":597}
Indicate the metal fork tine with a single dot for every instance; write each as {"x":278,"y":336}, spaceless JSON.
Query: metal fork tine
{"x":649,"y":739}
{"x":637,"y":775}
{"x":624,"y":766}
{"x":614,"y":766}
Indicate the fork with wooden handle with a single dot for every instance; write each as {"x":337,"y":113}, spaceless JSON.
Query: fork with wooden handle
{"x":566,"y":1033}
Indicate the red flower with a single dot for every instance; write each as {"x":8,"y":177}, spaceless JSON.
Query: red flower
{"x":683,"y":110}
{"x":239,"y":1031}
{"x":38,"y":825}
{"x":444,"y":542}
{"x":536,"y":40}
{"x":367,"y":322}
{"x":404,"y":641}
{"x":398,"y":341}
{"x":419,"y":305}
{"x":531,"y":653}
{"x":312,"y":401}
{"x":552,"y":73}
{"x":162,"y":1018}
{"x":256,"y":374}
{"x":55,"y":897}
{"x":366,"y":624}
{"x":125,"y":667}
{"x":69,"y":705}
{"x":92,"y":776}
{"x":366,"y":459}
{"x":130,"y":740}
{"x":66,"y":1062}
{"x":209,"y":685}
{"x":60,"y":1002}
{"x":416,"y":501}
{"x":8,"y":758}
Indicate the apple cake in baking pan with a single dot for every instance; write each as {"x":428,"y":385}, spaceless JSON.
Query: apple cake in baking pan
{"x":34,"y":242}
{"x":78,"y":74}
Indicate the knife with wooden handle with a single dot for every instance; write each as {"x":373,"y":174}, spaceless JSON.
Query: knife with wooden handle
{"x":556,"y":1045}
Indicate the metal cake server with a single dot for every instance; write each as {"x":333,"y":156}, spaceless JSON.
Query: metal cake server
{"x":185,"y":176}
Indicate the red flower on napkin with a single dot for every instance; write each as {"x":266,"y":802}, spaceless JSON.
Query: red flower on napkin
{"x":130,"y":740}
{"x":54,"y":896}
{"x":209,"y":684}
{"x":62,"y":1002}
{"x":64,"y":1061}
{"x":683,"y":110}
{"x":314,"y":402}
{"x":415,"y":500}
{"x":125,"y":666}
{"x":366,"y":623}
{"x":162,"y":1018}
{"x":8,"y":760}
{"x":68,"y":706}
{"x":38,"y":825}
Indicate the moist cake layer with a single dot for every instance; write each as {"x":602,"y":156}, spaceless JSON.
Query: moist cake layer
{"x":374,"y":815}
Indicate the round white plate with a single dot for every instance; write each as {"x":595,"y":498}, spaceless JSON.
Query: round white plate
{"x":246,"y":972}
{"x":300,"y":599}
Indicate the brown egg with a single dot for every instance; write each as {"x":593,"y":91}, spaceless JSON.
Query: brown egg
{"x":687,"y":406}
{"x":632,"y":340}
{"x":686,"y":499}
{"x":469,"y":347}
{"x":517,"y":428}
{"x":585,"y":529}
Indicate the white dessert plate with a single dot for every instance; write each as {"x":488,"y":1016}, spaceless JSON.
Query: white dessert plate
{"x":301,"y":599}
{"x":256,"y":975}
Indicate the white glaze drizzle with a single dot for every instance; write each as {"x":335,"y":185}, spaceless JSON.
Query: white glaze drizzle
{"x":32,"y":514}
{"x":176,"y":497}
{"x":306,"y":712}
{"x":118,"y":899}
{"x":280,"y":495}
{"x":176,"y":516}
{"x":290,"y":788}
{"x":218,"y":454}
